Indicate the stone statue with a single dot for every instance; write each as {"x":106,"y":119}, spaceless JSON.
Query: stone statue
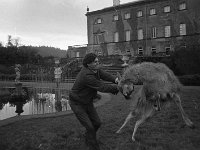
{"x":17,"y":71}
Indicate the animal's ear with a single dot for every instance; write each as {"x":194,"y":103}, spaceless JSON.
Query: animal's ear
{"x":119,"y":76}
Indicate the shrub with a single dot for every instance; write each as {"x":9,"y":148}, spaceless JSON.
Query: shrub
{"x":186,"y":60}
{"x":190,"y":80}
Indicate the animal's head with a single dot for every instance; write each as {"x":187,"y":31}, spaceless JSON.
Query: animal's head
{"x":126,"y":86}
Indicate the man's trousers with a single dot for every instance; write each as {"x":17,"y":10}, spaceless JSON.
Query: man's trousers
{"x":89,"y":118}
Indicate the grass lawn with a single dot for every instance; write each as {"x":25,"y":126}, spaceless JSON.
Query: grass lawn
{"x":165,"y":131}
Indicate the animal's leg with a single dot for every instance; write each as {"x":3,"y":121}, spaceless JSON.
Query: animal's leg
{"x":130,"y":115}
{"x":148,"y":113}
{"x":188,"y":122}
{"x":137,"y":124}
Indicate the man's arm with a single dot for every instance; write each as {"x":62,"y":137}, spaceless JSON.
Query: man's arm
{"x":107,"y":76}
{"x":93,"y":82}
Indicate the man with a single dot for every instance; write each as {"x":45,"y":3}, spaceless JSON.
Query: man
{"x":83,"y":92}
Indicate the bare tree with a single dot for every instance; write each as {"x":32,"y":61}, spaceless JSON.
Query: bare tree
{"x":13,"y":42}
{"x":9,"y":44}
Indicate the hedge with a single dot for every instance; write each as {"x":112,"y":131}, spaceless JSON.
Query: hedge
{"x":190,"y":80}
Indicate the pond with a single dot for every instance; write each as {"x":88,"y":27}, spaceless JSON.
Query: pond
{"x":38,"y":101}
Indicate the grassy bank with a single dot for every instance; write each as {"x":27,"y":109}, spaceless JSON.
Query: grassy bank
{"x":165,"y":131}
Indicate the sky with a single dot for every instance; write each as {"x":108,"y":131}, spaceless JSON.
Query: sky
{"x":55,"y":23}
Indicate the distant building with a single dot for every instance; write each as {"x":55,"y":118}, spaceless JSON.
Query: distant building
{"x":76,"y":51}
{"x":144,"y":27}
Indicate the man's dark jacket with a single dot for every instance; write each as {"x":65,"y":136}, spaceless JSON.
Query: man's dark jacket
{"x":88,"y":83}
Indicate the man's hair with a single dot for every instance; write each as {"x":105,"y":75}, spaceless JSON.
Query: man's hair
{"x":89,"y":58}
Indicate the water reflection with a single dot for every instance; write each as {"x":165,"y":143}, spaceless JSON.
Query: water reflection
{"x":43,"y":103}
{"x":39,"y":101}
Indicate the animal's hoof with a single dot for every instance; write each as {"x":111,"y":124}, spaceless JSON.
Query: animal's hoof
{"x":118,"y":132}
{"x":133,"y":139}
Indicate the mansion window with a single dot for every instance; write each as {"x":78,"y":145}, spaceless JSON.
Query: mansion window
{"x":182,"y":6}
{"x":127,"y":16}
{"x":153,"y":50}
{"x":182,"y":29}
{"x":154,"y":32}
{"x":128,"y":51}
{"x":115,"y":17}
{"x":128,"y":35}
{"x":167,"y":31}
{"x":139,"y":13}
{"x":140,"y":51}
{"x":98,"y":38}
{"x":77,"y":54}
{"x":152,"y":11}
{"x":116,"y":52}
{"x":98,"y":21}
{"x":167,"y":9}
{"x":116,"y":37}
{"x":167,"y":50}
{"x":99,"y":53}
{"x":140,"y":34}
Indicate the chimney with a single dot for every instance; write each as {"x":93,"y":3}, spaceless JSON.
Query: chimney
{"x":88,"y":9}
{"x":116,"y":2}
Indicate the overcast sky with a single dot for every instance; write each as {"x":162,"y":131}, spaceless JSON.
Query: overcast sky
{"x":56,"y":23}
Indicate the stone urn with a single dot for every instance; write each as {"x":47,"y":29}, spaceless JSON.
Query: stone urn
{"x":125,"y":59}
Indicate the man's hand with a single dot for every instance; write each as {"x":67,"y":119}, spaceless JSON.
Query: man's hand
{"x":117,"y":80}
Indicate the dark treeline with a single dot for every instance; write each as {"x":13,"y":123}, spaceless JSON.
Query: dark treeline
{"x":185,"y":60}
{"x":37,"y":63}
{"x":18,"y":55}
{"x":27,"y":56}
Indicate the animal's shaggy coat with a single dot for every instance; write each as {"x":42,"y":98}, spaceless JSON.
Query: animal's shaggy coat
{"x":156,"y":77}
{"x":160,"y":87}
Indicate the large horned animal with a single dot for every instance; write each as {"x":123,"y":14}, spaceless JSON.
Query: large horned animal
{"x":160,"y":87}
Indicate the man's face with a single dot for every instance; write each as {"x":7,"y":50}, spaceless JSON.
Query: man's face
{"x":94,"y":65}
